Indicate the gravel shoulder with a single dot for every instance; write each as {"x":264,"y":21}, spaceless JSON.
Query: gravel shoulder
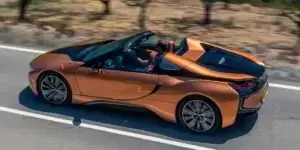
{"x":262,"y":31}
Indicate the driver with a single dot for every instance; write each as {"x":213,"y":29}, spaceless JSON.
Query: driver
{"x":157,"y":54}
{"x":132,"y":58}
{"x":161,"y":46}
{"x":137,"y":62}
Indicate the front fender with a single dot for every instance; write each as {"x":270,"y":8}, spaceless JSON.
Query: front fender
{"x":69,"y":76}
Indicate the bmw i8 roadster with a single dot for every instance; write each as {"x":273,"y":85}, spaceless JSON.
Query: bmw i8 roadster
{"x":201,"y":86}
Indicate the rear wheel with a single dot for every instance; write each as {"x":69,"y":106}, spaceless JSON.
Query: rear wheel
{"x":199,"y":115}
{"x":53,"y":88}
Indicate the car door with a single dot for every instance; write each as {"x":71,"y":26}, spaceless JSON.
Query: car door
{"x":109,"y":82}
{"x":125,"y":85}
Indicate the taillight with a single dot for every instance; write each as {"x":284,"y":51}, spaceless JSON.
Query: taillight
{"x":243,"y":87}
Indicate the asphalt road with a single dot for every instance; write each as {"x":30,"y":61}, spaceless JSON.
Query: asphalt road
{"x":276,"y":126}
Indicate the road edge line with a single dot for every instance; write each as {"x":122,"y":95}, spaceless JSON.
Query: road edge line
{"x":22,"y":49}
{"x":104,"y":129}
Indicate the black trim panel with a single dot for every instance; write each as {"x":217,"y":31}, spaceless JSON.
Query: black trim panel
{"x":241,"y":109}
{"x":232,"y":63}
{"x":116,"y":105}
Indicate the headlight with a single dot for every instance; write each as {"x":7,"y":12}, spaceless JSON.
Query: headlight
{"x":30,"y":68}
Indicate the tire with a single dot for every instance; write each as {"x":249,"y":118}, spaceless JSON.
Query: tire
{"x":198,"y":123}
{"x":52,"y":81}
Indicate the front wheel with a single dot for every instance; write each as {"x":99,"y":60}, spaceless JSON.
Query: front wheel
{"x":199,"y":115}
{"x":53,"y":88}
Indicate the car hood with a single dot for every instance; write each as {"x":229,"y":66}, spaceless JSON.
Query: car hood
{"x":65,"y":57}
{"x":49,"y":61}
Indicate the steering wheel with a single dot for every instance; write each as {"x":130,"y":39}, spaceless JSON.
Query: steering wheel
{"x":157,"y":59}
{"x":151,"y":66}
{"x":134,"y":45}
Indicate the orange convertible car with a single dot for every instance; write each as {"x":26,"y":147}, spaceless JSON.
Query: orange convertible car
{"x":201,"y":86}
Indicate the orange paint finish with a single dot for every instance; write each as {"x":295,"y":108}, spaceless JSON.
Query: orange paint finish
{"x":160,"y":93}
{"x":82,"y":99}
{"x":195,"y":50}
{"x":165,"y":110}
{"x":54,"y":62}
{"x":254,"y":101}
{"x":219,"y":92}
{"x":174,"y":59}
{"x":69,"y":76}
{"x":34,"y":75}
{"x":164,"y":102}
{"x":117,"y":83}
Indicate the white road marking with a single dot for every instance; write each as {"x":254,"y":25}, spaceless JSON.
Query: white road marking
{"x":41,"y":52}
{"x":104,"y":129}
{"x":285,"y":86}
{"x":21,"y":49}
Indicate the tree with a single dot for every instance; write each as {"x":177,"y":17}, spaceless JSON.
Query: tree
{"x":107,"y":6}
{"x":208,"y":4}
{"x":23,"y":8}
{"x":143,"y":4}
{"x":207,"y":11}
{"x":226,"y":4}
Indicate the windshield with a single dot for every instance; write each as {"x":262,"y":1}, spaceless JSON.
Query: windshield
{"x":147,"y":39}
{"x":96,"y":50}
{"x":138,"y":38}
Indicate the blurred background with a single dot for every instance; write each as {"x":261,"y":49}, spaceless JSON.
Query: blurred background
{"x":268,"y":28}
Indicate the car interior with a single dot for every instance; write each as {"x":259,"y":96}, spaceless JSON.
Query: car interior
{"x":116,"y":60}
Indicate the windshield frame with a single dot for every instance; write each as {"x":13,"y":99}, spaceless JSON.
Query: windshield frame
{"x":135,"y":40}
{"x":128,"y":41}
{"x":99,"y":51}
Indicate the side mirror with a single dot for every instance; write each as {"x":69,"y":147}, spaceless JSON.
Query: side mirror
{"x":94,"y":69}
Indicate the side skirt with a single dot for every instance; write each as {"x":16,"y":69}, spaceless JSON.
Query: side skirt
{"x":116,"y":106}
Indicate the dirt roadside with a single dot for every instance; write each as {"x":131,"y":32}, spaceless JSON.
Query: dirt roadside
{"x":264,"y":31}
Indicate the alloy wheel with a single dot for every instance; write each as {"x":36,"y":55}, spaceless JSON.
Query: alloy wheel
{"x":198,"y":115}
{"x":53,"y":89}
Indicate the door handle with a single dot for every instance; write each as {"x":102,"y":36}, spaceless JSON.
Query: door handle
{"x":104,"y":73}
{"x":94,"y":71}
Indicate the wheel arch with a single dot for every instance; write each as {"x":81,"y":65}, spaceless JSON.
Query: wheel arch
{"x":217,"y":92}
{"x":46,"y":72}
{"x":69,"y":78}
{"x":203,"y":97}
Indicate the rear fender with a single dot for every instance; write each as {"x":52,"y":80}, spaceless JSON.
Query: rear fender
{"x":225,"y":98}
{"x":220,"y":93}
